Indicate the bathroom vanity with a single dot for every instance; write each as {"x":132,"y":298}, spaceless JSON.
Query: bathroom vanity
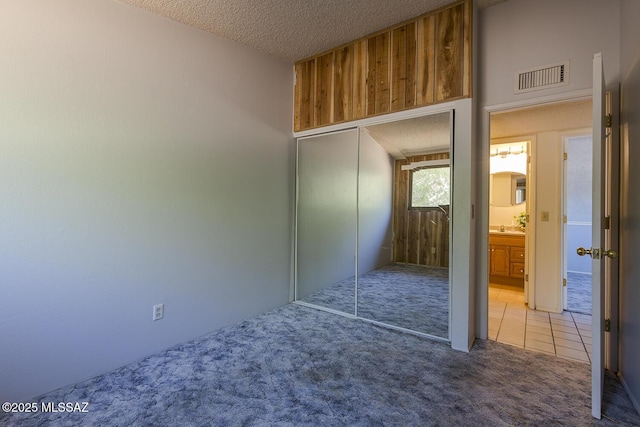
{"x":506,"y":258}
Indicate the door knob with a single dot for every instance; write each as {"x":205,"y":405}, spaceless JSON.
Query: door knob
{"x":595,"y":253}
{"x":592,"y":252}
{"x":582,"y":251}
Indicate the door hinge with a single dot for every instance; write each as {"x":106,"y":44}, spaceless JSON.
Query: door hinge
{"x":526,"y":218}
{"x":564,"y":219}
{"x":607,"y":223}
{"x":526,"y":277}
{"x":607,"y":325}
{"x":564,"y":283}
{"x":608,"y":120}
{"x":565,"y":156}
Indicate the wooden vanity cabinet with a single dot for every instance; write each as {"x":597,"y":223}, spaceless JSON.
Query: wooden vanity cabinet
{"x":499,"y":261}
{"x":516,"y":261}
{"x":506,"y":259}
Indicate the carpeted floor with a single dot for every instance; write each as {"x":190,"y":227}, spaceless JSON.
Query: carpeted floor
{"x":296,"y":366}
{"x":339,"y":296}
{"x":579,"y":293}
{"x":409,"y":296}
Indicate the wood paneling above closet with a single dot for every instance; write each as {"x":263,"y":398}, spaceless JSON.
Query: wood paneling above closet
{"x":343,"y":72}
{"x":421,"y":62}
{"x":403,"y":71}
{"x":323,"y":107}
{"x":425,"y":60}
{"x":304,"y":94}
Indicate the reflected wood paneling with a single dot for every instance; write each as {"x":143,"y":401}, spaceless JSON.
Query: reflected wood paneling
{"x":400,"y":207}
{"x":434,"y":238}
{"x":414,"y":236}
{"x":421,"y":236}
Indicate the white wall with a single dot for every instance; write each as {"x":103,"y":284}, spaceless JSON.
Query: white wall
{"x":141,"y":162}
{"x":375,"y":205}
{"x":504,"y":215}
{"x":520,"y":34}
{"x":463,"y":228}
{"x":327,"y":213}
{"x":548,"y":234}
{"x":630,"y":200}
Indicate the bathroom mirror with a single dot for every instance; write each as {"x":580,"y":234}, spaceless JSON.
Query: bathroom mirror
{"x":508,"y":189}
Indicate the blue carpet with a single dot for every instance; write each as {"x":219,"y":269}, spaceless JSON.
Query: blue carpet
{"x":579,"y":293}
{"x":404,"y":295}
{"x":297,"y":366}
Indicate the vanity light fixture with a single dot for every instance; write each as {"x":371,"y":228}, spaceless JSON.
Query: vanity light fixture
{"x":425,"y":164}
{"x":508,"y":151}
{"x":511,"y":157}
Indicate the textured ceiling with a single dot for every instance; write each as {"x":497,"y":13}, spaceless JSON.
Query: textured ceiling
{"x":408,"y":137}
{"x":292,"y":29}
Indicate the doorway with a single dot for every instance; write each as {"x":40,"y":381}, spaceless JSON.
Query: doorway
{"x":578,"y":171}
{"x":528,"y":311}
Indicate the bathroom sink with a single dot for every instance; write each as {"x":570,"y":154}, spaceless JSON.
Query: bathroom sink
{"x":509,"y":232}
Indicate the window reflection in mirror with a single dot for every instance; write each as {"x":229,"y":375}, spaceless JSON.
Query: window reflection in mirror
{"x":508,"y":189}
{"x":430,"y":187}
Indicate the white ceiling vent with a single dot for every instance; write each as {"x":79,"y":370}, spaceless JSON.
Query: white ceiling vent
{"x":544,"y":77}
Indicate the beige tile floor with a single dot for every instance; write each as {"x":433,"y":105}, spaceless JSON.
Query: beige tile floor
{"x":566,"y":335}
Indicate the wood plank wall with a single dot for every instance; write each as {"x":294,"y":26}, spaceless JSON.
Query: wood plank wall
{"x":421,"y":62}
{"x":416,"y":231}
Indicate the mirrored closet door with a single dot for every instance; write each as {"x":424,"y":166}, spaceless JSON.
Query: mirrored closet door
{"x":373,"y":228}
{"x":326,"y":220}
{"x":403,"y":224}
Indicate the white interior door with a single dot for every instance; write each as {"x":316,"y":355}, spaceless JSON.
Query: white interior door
{"x":612,"y":232}
{"x":565,"y":225}
{"x":598,"y":253}
{"x":604,"y":203}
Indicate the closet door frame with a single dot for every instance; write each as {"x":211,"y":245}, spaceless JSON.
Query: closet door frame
{"x":462,"y":315}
